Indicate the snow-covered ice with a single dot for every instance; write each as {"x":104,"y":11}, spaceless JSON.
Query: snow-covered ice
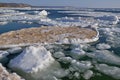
{"x":105,"y":56}
{"x":58,"y":54}
{"x":77,"y":53}
{"x":81,"y":66}
{"x":65,"y":59}
{"x":43,"y":13}
{"x":112,"y":19}
{"x":103,"y":46}
{"x":112,"y":36}
{"x":15,"y":50}
{"x":88,"y":74}
{"x":3,"y":54}
{"x":109,"y":70}
{"x":35,"y":60}
{"x":32,"y":59}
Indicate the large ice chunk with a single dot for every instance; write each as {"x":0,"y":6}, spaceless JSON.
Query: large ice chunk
{"x":36,"y":62}
{"x":32,"y":59}
{"x":111,"y":18}
{"x":43,"y":13}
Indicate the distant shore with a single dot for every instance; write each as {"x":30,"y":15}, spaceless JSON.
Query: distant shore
{"x":14,"y":5}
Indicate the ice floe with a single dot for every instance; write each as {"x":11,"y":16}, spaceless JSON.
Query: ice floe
{"x":103,"y":46}
{"x":32,"y":59}
{"x":112,"y":36}
{"x":109,"y":18}
{"x":77,"y":75}
{"x":7,"y":11}
{"x":61,"y":73}
{"x":88,"y":74}
{"x":81,"y":66}
{"x":77,"y":53}
{"x":105,"y":56}
{"x":3,"y":22}
{"x":43,"y":13}
{"x":35,"y":60}
{"x":3,"y":55}
{"x":102,"y":18}
{"x":65,"y":60}
{"x":58,"y":54}
{"x":15,"y":50}
{"x":13,"y":15}
{"x":109,"y":70}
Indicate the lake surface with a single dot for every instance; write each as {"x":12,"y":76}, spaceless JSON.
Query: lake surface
{"x":109,"y":34}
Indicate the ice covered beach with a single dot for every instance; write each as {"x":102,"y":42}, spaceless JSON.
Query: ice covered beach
{"x":69,"y":44}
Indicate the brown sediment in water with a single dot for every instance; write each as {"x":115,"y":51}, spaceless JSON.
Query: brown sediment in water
{"x":45,"y":34}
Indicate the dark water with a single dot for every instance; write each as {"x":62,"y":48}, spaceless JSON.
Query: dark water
{"x":15,"y":26}
{"x":112,"y":10}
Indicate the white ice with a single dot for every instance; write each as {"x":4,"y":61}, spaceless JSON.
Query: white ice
{"x":111,"y":71}
{"x":32,"y":59}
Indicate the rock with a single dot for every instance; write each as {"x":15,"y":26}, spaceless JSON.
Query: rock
{"x":15,"y":50}
{"x":5,"y":75}
{"x":36,"y":61}
{"x":88,"y":74}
